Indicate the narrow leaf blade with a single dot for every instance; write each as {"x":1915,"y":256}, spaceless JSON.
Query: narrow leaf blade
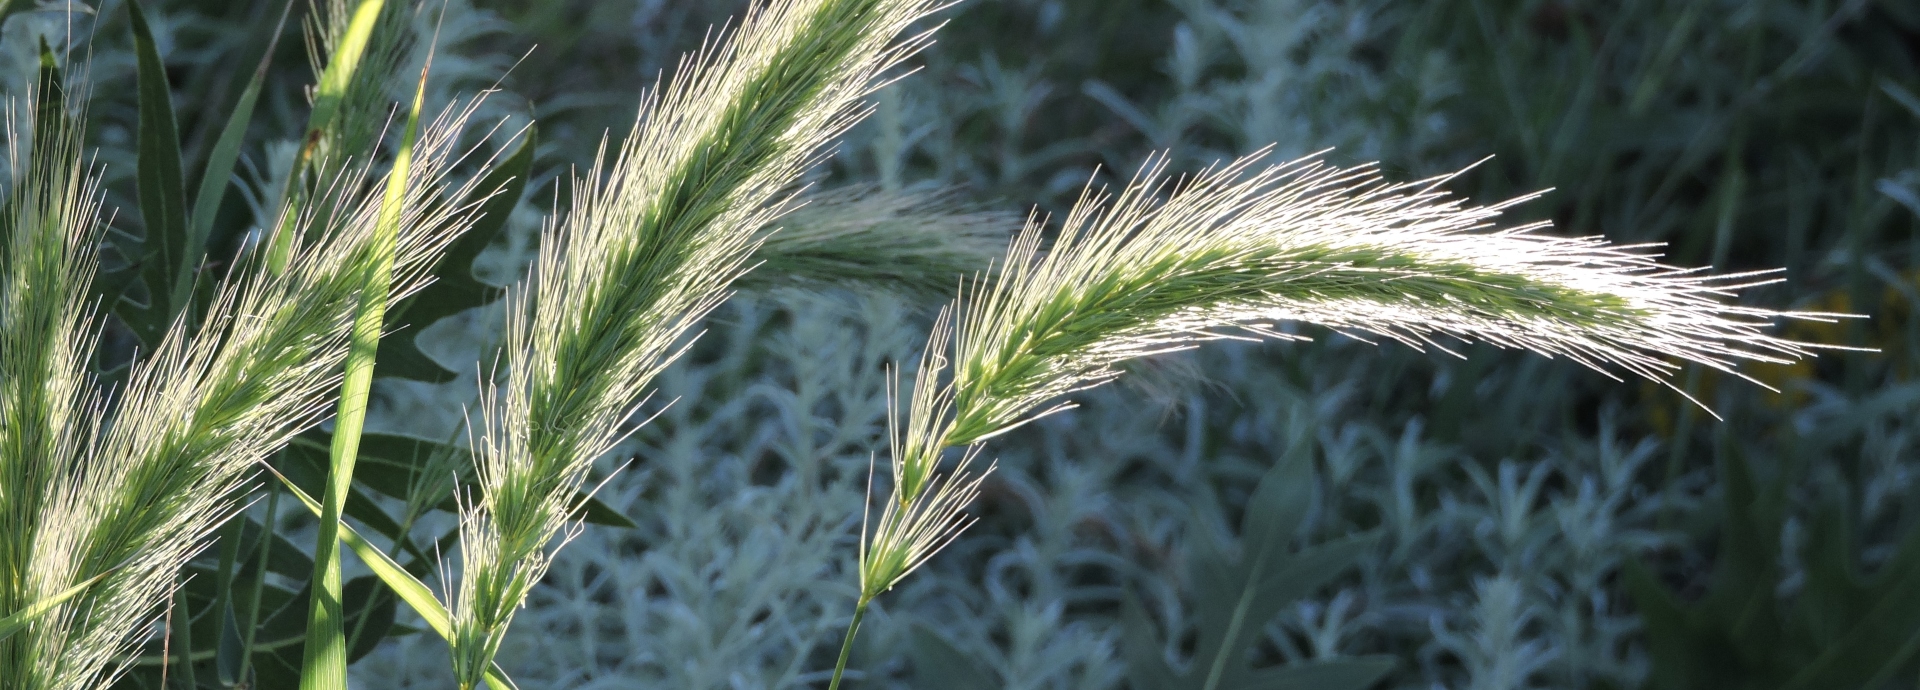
{"x":26,"y":616}
{"x":454,"y":288}
{"x":161,"y":188}
{"x":215,"y":180}
{"x":409,"y":588}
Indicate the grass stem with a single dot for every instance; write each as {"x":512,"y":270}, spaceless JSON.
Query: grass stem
{"x":846,"y":645}
{"x":325,"y":665}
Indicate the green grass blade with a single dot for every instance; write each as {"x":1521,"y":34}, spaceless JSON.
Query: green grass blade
{"x":26,"y":616}
{"x":251,"y":631}
{"x":325,"y":665}
{"x":454,"y":288}
{"x":182,"y":631}
{"x":409,"y":588}
{"x":162,"y":190}
{"x":228,"y":636}
{"x":215,"y":180}
{"x":343,"y":67}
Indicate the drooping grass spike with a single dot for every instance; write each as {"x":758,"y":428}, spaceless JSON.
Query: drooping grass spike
{"x":1233,"y":251}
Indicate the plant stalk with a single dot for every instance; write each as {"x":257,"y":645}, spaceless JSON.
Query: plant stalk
{"x":325,"y":663}
{"x":846,"y":645}
{"x":327,"y":96}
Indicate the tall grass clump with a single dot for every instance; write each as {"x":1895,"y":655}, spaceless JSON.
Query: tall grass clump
{"x":651,"y":245}
{"x":130,"y":501}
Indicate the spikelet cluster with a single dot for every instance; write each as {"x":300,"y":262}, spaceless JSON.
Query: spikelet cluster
{"x":1229,"y":253}
{"x":354,"y":113}
{"x":48,"y":408}
{"x":653,"y":243}
{"x":910,"y":241}
{"x":137,"y":499}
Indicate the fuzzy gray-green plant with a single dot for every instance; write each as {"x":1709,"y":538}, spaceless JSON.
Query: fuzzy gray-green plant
{"x":650,"y":246}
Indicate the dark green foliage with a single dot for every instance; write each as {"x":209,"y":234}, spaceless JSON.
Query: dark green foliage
{"x":1845,"y":627}
{"x":398,"y":467}
{"x":1235,"y":598}
{"x":157,"y":279}
{"x":1750,"y":134}
{"x":166,"y":257}
{"x":279,"y":638}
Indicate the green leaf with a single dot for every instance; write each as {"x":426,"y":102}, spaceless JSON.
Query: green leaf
{"x":397,"y":579}
{"x":593,"y":511}
{"x":162,"y":192}
{"x":218,"y":175}
{"x":227,"y":645}
{"x":1237,"y":600}
{"x":231,"y":648}
{"x":26,"y":616}
{"x":1280,"y":501}
{"x":325,"y":666}
{"x":1343,"y":674}
{"x":181,"y":628}
{"x":1237,"y":597}
{"x":1880,"y":644}
{"x":307,"y":465}
{"x":339,"y":76}
{"x":391,"y":465}
{"x":454,"y":288}
{"x":249,"y":631}
{"x":1867,"y":628}
{"x":1669,"y":636}
{"x":343,"y":65}
{"x":1310,"y":569}
{"x":281,"y":556}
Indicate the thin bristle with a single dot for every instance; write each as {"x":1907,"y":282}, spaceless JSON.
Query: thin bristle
{"x":49,"y":411}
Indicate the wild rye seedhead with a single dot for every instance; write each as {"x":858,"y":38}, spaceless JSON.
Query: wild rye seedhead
{"x":49,"y":222}
{"x":654,"y":241}
{"x":907,"y":534}
{"x":912,"y":241}
{"x":351,"y":106}
{"x":1236,"y":249}
{"x":1167,"y":264}
{"x":198,"y":413}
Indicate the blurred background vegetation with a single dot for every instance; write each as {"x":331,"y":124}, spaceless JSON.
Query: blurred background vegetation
{"x":1492,"y":520}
